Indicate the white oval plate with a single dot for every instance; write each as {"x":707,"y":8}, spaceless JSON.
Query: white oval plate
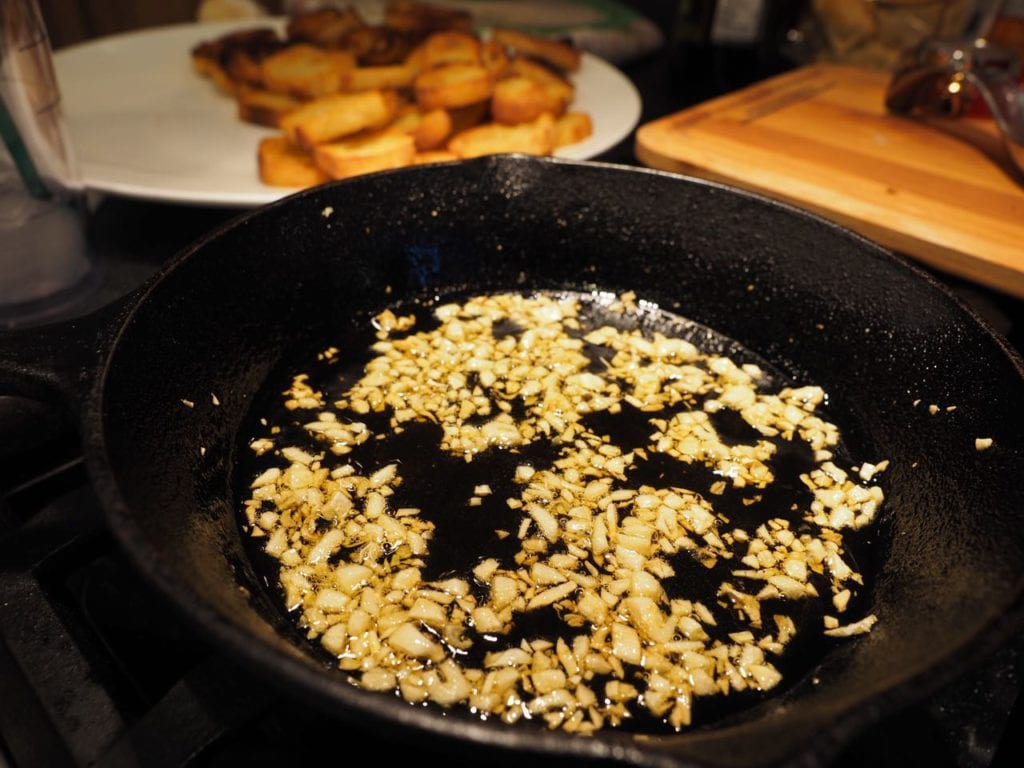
{"x":143,"y":124}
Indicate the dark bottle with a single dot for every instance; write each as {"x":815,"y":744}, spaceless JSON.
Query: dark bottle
{"x":717,"y":46}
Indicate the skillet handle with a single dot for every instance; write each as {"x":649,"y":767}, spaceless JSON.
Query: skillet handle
{"x":58,"y":363}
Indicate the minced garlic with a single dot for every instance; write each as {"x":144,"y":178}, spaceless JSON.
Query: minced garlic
{"x":593,"y":544}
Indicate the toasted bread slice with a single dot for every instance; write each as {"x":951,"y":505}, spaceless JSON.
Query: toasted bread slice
{"x":205,"y":57}
{"x":305,"y":71}
{"x":468,"y":116}
{"x":494,"y":57}
{"x":453,"y":85}
{"x":264,"y":107}
{"x":519,"y":99}
{"x":407,"y":117}
{"x":229,"y":60}
{"x":572,"y":127}
{"x":422,"y":19}
{"x":392,"y":76}
{"x":533,"y":138}
{"x":378,"y":46}
{"x":331,"y":117}
{"x":366,"y":153}
{"x":211,"y":69}
{"x":565,"y":56}
{"x":450,"y":47}
{"x":559,"y":88}
{"x":244,"y":68}
{"x":433,"y":130}
{"x":327,"y":27}
{"x":283,"y":165}
{"x":429,"y":129}
{"x":257,"y":40}
{"x":434,"y":156}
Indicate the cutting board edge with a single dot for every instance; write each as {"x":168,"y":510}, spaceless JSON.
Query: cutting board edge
{"x":935,"y":254}
{"x":973,"y":232}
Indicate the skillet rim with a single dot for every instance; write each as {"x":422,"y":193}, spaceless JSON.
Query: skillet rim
{"x":330,"y":692}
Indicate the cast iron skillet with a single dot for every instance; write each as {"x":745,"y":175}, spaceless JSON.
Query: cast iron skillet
{"x":823,"y":305}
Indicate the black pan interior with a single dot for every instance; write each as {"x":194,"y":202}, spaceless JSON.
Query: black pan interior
{"x":822,"y":305}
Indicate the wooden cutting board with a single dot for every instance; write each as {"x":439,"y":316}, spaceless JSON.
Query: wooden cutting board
{"x":819,"y":137}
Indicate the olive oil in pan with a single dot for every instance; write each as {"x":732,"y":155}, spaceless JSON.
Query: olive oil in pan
{"x":441,"y":485}
{"x":787,"y":498}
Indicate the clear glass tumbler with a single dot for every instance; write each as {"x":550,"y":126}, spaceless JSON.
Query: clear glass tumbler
{"x":44,"y":253}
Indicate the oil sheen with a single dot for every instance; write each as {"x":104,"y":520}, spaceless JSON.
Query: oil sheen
{"x":438,"y":483}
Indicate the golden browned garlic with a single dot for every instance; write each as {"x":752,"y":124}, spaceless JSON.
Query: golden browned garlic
{"x":592,"y":545}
